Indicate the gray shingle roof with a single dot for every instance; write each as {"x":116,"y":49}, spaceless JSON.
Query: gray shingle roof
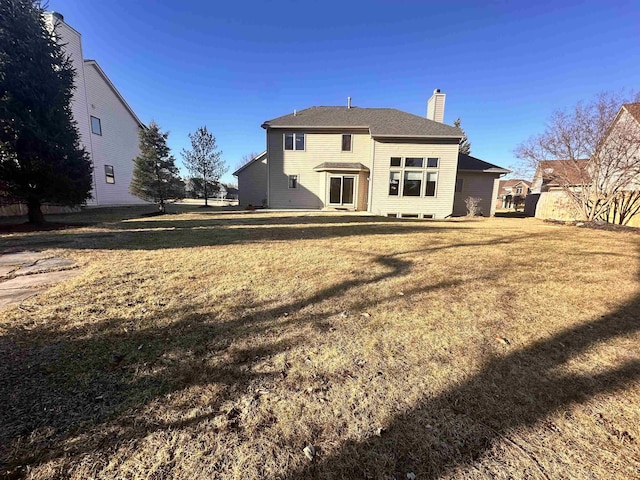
{"x":381,"y":122}
{"x":467,"y":162}
{"x":350,"y":166}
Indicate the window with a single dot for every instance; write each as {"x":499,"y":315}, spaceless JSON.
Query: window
{"x":432,"y":179}
{"x":109,"y":174}
{"x":96,"y":127}
{"x":392,"y":215}
{"x":413,"y":162}
{"x":433,"y":162}
{"x":410,"y":215}
{"x":394,"y":183}
{"x":395,"y":161}
{"x":518,"y":190}
{"x":459,"y":183}
{"x":412,"y":184}
{"x":294,"y":141}
{"x":346,"y":142}
{"x":293,"y":181}
{"x":427,"y":216}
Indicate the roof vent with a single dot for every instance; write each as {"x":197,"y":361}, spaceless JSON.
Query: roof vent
{"x":294,"y":112}
{"x":348,"y":102}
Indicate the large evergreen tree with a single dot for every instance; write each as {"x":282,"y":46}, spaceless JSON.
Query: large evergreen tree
{"x":41,"y":159}
{"x":465,"y":145}
{"x":155,"y":175}
{"x":204,"y":160}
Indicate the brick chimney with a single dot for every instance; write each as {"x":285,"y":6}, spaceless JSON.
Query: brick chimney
{"x":435,"y":106}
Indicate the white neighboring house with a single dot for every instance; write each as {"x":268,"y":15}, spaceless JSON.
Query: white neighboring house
{"x":108,"y":126}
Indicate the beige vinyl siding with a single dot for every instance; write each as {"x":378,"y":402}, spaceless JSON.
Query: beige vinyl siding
{"x":439,"y":206}
{"x":481,"y":185}
{"x":118,"y":144}
{"x":252,"y":184}
{"x":320,"y":147}
{"x":72,"y":45}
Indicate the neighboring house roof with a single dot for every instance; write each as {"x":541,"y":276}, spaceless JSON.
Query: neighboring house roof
{"x":633,"y":109}
{"x":469,"y":163}
{"x":346,"y":166}
{"x":257,"y":158}
{"x":512,"y":182}
{"x":563,"y":172}
{"x":115,"y":90}
{"x":381,"y":122}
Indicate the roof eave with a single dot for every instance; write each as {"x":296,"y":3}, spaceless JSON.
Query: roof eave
{"x":414,"y":136}
{"x":255,"y":159}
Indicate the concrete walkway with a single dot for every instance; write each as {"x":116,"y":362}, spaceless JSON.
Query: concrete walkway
{"x":25,"y":274}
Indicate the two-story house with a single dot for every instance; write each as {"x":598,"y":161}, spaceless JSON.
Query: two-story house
{"x":107,"y":125}
{"x":380,"y":160}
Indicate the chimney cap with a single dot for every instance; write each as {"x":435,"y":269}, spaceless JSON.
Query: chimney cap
{"x":57,"y":15}
{"x":437,"y":90}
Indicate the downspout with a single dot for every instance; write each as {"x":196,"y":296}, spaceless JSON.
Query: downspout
{"x":268,"y":171}
{"x":373,"y":154}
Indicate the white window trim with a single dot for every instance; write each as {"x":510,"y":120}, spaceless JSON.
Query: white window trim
{"x":295,"y":134}
{"x":424,"y":170}
{"x":341,"y":139}
{"x":113,"y":175}
{"x":289,"y":181}
{"x":91,"y":117}
{"x":437,"y":159}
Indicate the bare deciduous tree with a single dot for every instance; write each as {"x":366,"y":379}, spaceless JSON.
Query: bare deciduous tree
{"x":204,"y":159}
{"x":246,"y":159}
{"x":599,"y":143}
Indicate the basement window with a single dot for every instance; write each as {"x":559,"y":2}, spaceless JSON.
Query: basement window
{"x":109,"y":174}
{"x":392,"y":215}
{"x":96,"y":126}
{"x":410,"y":215}
{"x":427,"y":216}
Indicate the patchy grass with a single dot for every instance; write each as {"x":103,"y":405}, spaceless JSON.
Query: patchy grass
{"x":214,"y":344}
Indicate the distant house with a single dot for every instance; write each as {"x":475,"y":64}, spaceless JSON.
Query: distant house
{"x":380,"y":160}
{"x":556,"y":174}
{"x":510,"y":190}
{"x":107,"y":125}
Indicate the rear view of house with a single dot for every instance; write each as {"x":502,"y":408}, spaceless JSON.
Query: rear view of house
{"x":380,"y":160}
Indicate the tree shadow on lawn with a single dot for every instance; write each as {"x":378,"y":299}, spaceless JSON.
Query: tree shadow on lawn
{"x":59,"y":390}
{"x":185,"y":233}
{"x":65,"y":394}
{"x":456,"y":428}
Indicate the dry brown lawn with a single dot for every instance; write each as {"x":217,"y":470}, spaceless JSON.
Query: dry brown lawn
{"x":216,"y":344}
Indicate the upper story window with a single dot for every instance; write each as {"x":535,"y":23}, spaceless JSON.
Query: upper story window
{"x":96,"y":126}
{"x":294,"y":141}
{"x":346,"y":142}
{"x":518,"y":190}
{"x":433,"y":162}
{"x":109,"y":174}
{"x":396,"y":161}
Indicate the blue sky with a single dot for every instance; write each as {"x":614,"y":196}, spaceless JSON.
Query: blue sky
{"x":504,"y":65}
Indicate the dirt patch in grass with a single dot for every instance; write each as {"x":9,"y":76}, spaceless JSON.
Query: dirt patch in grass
{"x":220,"y":345}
